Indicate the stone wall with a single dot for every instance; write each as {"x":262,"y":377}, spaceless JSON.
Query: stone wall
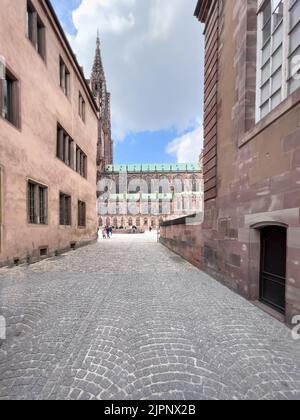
{"x":258,"y":168}
{"x":184,"y":238}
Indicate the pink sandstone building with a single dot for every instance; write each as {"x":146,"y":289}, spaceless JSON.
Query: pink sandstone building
{"x":250,"y":237}
{"x":48,"y":137}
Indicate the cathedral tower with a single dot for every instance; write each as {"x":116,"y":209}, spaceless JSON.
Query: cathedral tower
{"x":102,"y":96}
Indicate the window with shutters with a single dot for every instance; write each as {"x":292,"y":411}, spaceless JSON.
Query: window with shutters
{"x":65,"y":217}
{"x":37,"y":203}
{"x":64,"y":76}
{"x":9,"y":99}
{"x":81,"y":214}
{"x":278,"y":53}
{"x":36,"y":30}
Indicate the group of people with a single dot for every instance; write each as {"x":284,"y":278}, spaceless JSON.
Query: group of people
{"x":106,"y":231}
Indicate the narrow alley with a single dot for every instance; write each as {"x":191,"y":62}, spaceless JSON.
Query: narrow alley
{"x":127,"y":319}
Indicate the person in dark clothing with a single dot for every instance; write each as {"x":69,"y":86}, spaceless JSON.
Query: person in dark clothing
{"x":108,"y":231}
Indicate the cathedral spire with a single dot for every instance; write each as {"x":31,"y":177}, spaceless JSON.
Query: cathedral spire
{"x":98,"y":70}
{"x":99,"y":89}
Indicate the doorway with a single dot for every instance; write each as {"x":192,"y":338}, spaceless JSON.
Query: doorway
{"x":273,"y":267}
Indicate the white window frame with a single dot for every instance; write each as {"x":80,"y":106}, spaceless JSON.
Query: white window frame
{"x":285,"y":56}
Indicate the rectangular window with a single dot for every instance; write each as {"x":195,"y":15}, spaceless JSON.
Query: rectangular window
{"x":81,"y":162}
{"x":65,"y":151}
{"x":36,"y":30}
{"x":64,"y":76}
{"x":278,"y":53}
{"x":81,"y":214}
{"x":294,"y":47}
{"x":9,"y":99}
{"x":42,"y":205}
{"x":81,"y":107}
{"x":37,"y":203}
{"x":64,"y":210}
{"x":31,"y":203}
{"x":65,"y":147}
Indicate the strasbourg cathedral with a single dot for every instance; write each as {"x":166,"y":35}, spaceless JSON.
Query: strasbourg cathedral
{"x":139,"y":195}
{"x":102,"y":97}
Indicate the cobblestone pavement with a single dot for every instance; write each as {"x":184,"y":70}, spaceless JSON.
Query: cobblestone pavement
{"x":127,"y":319}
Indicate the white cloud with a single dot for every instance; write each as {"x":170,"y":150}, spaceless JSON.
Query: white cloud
{"x":162,"y":17}
{"x":111,"y":14}
{"x":152,"y":53}
{"x":188,"y":147}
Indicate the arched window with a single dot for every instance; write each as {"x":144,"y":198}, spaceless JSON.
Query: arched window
{"x":178,"y":185}
{"x":149,"y":207}
{"x":117,"y":181}
{"x":100,"y":222}
{"x":130,"y":222}
{"x":149,"y":185}
{"x":160,"y":207}
{"x":194,"y":184}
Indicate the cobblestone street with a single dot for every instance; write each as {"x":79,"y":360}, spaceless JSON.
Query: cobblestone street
{"x":127,"y":319}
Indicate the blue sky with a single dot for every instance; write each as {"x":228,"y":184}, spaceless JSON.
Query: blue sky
{"x":64,"y":9}
{"x":145,"y":147}
{"x":152,"y":54}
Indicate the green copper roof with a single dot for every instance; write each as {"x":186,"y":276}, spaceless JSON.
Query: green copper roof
{"x":155,"y":167}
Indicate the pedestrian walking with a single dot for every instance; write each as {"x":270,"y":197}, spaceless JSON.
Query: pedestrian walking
{"x":104,"y":233}
{"x":99,"y":234}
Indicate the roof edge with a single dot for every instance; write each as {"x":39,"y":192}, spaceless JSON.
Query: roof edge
{"x":154,"y":167}
{"x":70,"y":50}
{"x":202,"y":9}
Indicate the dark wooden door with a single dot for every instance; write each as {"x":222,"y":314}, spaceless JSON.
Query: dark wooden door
{"x":273,"y":266}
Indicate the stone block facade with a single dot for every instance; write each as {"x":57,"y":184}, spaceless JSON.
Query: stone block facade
{"x":184,"y":237}
{"x":257,"y":168}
